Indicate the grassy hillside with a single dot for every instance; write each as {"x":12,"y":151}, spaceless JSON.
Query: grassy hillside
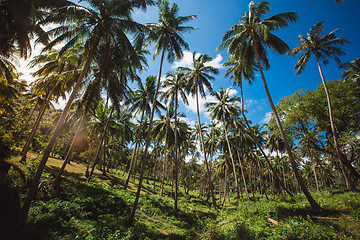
{"x":98,"y":210}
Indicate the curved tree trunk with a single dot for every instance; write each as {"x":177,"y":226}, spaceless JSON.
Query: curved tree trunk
{"x":314,"y":205}
{"x":203,"y":149}
{"x":355,"y":178}
{"x":25,"y":209}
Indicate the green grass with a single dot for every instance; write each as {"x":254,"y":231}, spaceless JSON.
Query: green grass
{"x":98,"y":210}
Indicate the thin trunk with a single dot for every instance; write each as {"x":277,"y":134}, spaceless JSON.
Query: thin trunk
{"x":96,"y":159}
{"x":225,"y":187}
{"x":203,"y":149}
{"x":133,"y":210}
{"x":176,"y":161}
{"x":25,"y":125}
{"x":71,"y":150}
{"x":314,"y":205}
{"x":354,"y":176}
{"x":35,"y":127}
{"x":253,"y":135}
{"x":243,"y":176}
{"x":34,"y":185}
{"x":233,"y":163}
{"x":156,"y":157}
{"x":131,"y":167}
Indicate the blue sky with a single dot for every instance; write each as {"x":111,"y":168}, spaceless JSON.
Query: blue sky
{"x":215,"y":17}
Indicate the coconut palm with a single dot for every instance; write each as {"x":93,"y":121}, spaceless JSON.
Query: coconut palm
{"x":223,"y":110}
{"x":141,"y":104}
{"x":352,"y":72}
{"x":175,"y":85}
{"x":100,"y":21}
{"x":323,"y":48}
{"x":198,"y":78}
{"x":167,"y":34}
{"x":249,"y":40}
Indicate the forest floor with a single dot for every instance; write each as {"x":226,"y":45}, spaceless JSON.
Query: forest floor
{"x":98,"y":210}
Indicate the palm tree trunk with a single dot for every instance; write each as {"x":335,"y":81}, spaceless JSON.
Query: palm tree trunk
{"x":25,"y":209}
{"x":133,"y":210}
{"x":25,"y":125}
{"x":203,"y":149}
{"x":233,"y":164}
{"x":96,"y":159}
{"x":243,"y":175}
{"x":254,"y":137}
{"x":176,"y":160}
{"x":71,"y":149}
{"x":135,"y":151}
{"x":35,"y":127}
{"x":355,"y":178}
{"x":314,"y":205}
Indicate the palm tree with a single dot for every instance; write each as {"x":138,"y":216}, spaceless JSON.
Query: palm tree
{"x":198,"y":76}
{"x":223,"y":110}
{"x":167,"y":34}
{"x":175,"y":85}
{"x":323,"y":47}
{"x":352,"y":72}
{"x":248,"y":40}
{"x":141,"y":101}
{"x":104,"y":20}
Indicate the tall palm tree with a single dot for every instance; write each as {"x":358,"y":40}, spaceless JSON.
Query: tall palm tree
{"x":223,"y":110}
{"x":249,"y":40}
{"x":324,"y":47}
{"x":100,"y":21}
{"x":175,"y":85}
{"x":199,"y":77}
{"x":352,"y":72}
{"x":141,"y":104}
{"x":167,"y":34}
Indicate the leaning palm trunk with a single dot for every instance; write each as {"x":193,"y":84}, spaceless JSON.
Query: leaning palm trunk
{"x":203,"y":149}
{"x":96,"y":159}
{"x":314,"y":205}
{"x":143,"y":161}
{"x":36,"y":126}
{"x":71,"y":149}
{"x":355,"y":178}
{"x":25,"y":209}
{"x":135,"y":151}
{"x":254,"y":137}
{"x":25,"y":125}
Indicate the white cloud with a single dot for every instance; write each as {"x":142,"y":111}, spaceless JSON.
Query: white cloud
{"x":266,"y":118}
{"x":192,"y":102}
{"x":232,"y":92}
{"x":216,"y":62}
{"x":187,"y":61}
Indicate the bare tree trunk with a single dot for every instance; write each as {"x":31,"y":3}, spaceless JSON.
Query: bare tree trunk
{"x":254,"y":137}
{"x":243,"y":176}
{"x":203,"y":150}
{"x":314,"y":205}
